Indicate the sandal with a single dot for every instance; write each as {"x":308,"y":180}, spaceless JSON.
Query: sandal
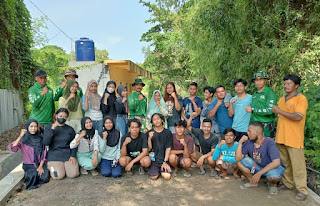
{"x":213,"y":173}
{"x":272,"y":190}
{"x":283,"y":187}
{"x":222,"y":177}
{"x":94,"y":172}
{"x":141,"y":171}
{"x":186,"y":173}
{"x":300,"y":196}
{"x":130,"y":173}
{"x":174,"y":173}
{"x":83,"y":171}
{"x":201,"y":172}
{"x":246,"y":186}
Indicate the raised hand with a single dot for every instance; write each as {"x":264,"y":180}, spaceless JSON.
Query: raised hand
{"x":23,"y":132}
{"x":105,"y":135}
{"x":63,"y":85}
{"x":140,"y":97}
{"x":44,"y":90}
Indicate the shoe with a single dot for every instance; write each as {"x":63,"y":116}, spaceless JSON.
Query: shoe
{"x":83,"y":171}
{"x":94,"y":172}
{"x":201,"y":172}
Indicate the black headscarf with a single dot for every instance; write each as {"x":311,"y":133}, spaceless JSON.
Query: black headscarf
{"x":89,"y":132}
{"x":112,"y":96}
{"x":34,"y":141}
{"x":113,"y":134}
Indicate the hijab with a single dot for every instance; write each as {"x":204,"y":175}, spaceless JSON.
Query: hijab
{"x":94,"y":98}
{"x":120,"y":88}
{"x":113,"y":134}
{"x":153,"y":107}
{"x":34,"y":141}
{"x":74,"y":102}
{"x":89,"y":132}
{"x":112,"y":96}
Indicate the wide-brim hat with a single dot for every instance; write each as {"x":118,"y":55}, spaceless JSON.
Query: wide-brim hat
{"x":138,"y":81}
{"x":259,"y":75}
{"x":71,"y":72}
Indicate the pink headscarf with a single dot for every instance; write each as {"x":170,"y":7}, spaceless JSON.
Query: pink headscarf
{"x":94,"y":98}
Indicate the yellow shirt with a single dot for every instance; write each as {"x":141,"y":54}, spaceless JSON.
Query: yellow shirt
{"x":290,"y":132}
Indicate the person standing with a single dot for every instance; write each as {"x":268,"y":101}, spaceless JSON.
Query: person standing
{"x":91,"y":105}
{"x":292,"y":110}
{"x":174,"y":103}
{"x":138,"y":103}
{"x":262,"y":102}
{"x":72,"y":102}
{"x":107,"y":103}
{"x":70,"y":74}
{"x":156,"y":105}
{"x":237,"y":109}
{"x":41,"y":99}
{"x":122,"y":109}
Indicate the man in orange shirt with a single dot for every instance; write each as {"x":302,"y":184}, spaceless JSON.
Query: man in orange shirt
{"x":292,"y":110}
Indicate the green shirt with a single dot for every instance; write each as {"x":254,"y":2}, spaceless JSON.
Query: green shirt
{"x":42,"y":106}
{"x":137,"y":107}
{"x":262,"y":104}
{"x":60,"y":92}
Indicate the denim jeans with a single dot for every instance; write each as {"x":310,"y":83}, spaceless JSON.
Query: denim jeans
{"x":121,"y":124}
{"x":98,"y":125}
{"x":108,"y":171}
{"x":276,"y":172}
{"x":171,"y":128}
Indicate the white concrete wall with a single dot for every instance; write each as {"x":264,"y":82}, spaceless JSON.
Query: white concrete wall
{"x":11,"y":109}
{"x":88,"y":70}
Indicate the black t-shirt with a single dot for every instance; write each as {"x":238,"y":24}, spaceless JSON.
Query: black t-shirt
{"x":134,"y":148}
{"x":205,"y":144}
{"x":59,"y":141}
{"x":160,"y":142}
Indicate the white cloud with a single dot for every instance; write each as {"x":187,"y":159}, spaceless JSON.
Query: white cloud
{"x":113,"y":40}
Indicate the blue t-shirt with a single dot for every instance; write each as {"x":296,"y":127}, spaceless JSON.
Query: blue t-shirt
{"x":263,"y":155}
{"x":241,"y":118}
{"x":222,"y":115}
{"x":188,"y":109}
{"x":228,"y":153}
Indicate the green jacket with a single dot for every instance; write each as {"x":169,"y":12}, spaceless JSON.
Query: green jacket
{"x":60,"y":92}
{"x":42,"y":106}
{"x":137,"y":107}
{"x":262,"y":104}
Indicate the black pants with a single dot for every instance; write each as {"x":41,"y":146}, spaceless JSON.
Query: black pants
{"x":31,"y":177}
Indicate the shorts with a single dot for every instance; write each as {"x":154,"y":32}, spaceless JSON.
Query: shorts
{"x":198,"y":155}
{"x":155,"y":169}
{"x":179,"y":162}
{"x":229,"y":166}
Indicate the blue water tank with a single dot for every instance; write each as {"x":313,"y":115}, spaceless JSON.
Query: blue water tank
{"x":85,"y":50}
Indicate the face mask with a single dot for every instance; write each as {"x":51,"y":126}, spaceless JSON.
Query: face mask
{"x":61,"y":120}
{"x":110,"y":90}
{"x":255,"y":139}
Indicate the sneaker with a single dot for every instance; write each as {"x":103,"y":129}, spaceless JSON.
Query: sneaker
{"x":94,"y":172}
{"x":141,"y":171}
{"x":201,"y":172}
{"x":83,"y":171}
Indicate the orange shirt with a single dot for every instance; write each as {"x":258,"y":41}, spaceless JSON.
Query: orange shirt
{"x":290,"y":132}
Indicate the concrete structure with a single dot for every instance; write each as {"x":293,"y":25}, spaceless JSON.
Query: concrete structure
{"x":121,"y":71}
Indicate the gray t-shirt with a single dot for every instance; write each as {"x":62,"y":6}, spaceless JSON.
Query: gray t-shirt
{"x":174,"y":115}
{"x":205,"y":144}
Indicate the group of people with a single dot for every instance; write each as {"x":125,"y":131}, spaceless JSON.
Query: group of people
{"x":236,"y":135}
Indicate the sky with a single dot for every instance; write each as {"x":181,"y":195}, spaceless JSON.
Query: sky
{"x":114,"y":25}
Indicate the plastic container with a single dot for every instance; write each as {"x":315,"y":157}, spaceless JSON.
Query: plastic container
{"x":85,"y":49}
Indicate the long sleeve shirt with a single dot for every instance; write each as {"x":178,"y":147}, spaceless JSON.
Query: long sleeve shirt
{"x":59,"y":92}
{"x":262,"y":104}
{"x":228,"y":153}
{"x":120,"y":108}
{"x":28,"y":153}
{"x":86,"y":145}
{"x":42,"y":106}
{"x":109,"y":153}
{"x":136,"y":106}
{"x":59,"y":141}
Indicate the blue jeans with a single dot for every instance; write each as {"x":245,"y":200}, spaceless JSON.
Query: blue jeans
{"x":121,"y":124}
{"x":98,"y":125}
{"x":107,"y":170}
{"x":171,"y":128}
{"x":249,"y":163}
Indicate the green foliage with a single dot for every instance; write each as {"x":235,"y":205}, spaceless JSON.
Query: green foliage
{"x":214,"y":42}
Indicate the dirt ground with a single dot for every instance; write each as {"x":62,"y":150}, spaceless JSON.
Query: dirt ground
{"x":140,"y":190}
{"x":9,"y":136}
